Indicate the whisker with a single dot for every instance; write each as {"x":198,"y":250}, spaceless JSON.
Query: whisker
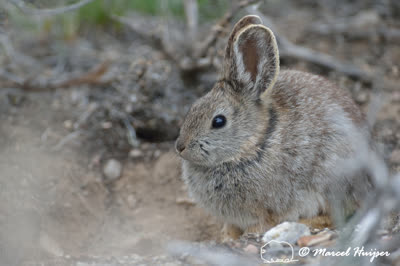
{"x":201,"y":147}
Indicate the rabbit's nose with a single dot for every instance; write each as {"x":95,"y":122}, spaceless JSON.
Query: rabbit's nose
{"x":180,"y":146}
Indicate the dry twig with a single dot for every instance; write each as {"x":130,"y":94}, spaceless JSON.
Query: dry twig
{"x":68,"y":138}
{"x":288,"y":49}
{"x":220,"y":26}
{"x":391,"y":35}
{"x":291,"y":50}
{"x":192,"y":18}
{"x":92,"y":77}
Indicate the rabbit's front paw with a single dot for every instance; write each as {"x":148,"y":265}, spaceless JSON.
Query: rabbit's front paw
{"x":257,"y":229}
{"x":319,"y":222}
{"x":230,"y":232}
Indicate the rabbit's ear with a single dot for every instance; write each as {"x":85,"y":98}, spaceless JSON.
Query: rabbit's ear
{"x":241,"y":24}
{"x":252,"y":61}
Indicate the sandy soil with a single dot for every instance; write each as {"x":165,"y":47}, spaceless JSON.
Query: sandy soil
{"x":56,"y":202}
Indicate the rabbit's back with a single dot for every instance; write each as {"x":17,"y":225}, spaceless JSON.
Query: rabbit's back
{"x":318,"y":125}
{"x":322,"y":139}
{"x":309,"y":94}
{"x":315,"y":118}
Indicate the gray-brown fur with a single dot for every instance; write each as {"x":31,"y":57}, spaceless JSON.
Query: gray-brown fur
{"x":294,"y":144}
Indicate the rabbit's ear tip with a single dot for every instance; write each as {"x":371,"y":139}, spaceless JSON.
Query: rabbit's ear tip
{"x":245,"y":21}
{"x":254,"y":19}
{"x":258,"y":31}
{"x":240,"y":25}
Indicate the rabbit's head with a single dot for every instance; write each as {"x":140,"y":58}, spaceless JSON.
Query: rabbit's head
{"x":230,"y":120}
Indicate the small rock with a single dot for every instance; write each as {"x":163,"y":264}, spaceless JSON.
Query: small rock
{"x":82,"y":264}
{"x":76,"y":96}
{"x":68,"y":124}
{"x":386,"y":238}
{"x":395,"y":157}
{"x":128,"y":108}
{"x":286,"y":231}
{"x":395,"y":71}
{"x":396,"y":184}
{"x":157,"y":154}
{"x":185,"y":201}
{"x":50,"y":246}
{"x":135,"y":153}
{"x":106,"y":125}
{"x":95,"y":161}
{"x":112,"y":169}
{"x":132,"y":201}
{"x":309,"y":241}
{"x":146,"y":146}
{"x":382,"y":232}
{"x":315,"y":231}
{"x":395,"y":96}
{"x":251,"y":249}
{"x":361,"y":97}
{"x":15,"y":99}
{"x":365,"y":19}
{"x":56,"y":104}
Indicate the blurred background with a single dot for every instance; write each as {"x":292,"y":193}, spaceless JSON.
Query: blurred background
{"x":92,"y":94}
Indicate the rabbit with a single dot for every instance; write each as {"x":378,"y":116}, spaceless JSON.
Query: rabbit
{"x":265,"y":146}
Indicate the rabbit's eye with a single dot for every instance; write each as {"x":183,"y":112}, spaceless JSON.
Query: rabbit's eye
{"x":218,"y":121}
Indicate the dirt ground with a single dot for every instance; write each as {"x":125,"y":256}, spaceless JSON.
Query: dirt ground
{"x":57,"y":208}
{"x":56,"y":202}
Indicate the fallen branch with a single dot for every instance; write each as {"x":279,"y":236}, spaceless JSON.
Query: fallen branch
{"x":93,"y":77}
{"x":288,"y":49}
{"x":391,"y":35}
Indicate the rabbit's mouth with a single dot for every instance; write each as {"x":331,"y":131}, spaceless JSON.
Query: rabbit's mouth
{"x":191,"y":157}
{"x":196,"y":152}
{"x":194,"y":155}
{"x":203,"y":158}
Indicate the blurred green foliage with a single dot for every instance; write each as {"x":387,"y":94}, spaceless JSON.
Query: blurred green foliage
{"x":98,"y":13}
